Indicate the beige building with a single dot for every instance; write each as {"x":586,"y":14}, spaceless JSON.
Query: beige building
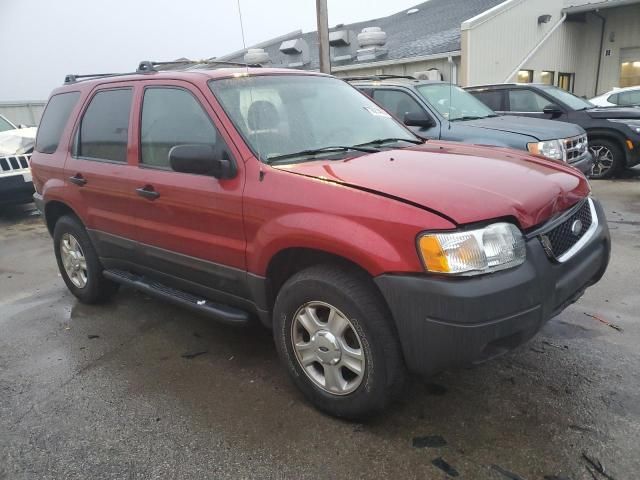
{"x":584,"y":46}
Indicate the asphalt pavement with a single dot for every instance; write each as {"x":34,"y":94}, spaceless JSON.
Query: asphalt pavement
{"x":139,"y":389}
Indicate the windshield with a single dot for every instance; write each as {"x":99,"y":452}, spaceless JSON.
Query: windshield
{"x":569,"y":99}
{"x":280,"y":115}
{"x":454,"y":103}
{"x":5,"y":125}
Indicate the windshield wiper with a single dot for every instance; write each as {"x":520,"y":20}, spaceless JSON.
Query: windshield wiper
{"x":315,"y":151}
{"x":466,"y":117}
{"x":380,"y":141}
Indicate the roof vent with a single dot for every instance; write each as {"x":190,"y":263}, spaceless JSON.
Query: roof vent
{"x":411,"y":11}
{"x":297,"y":52}
{"x":256,"y":55}
{"x":343,"y":45}
{"x":371,"y":41}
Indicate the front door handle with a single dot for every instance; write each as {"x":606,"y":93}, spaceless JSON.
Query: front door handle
{"x":78,"y":179}
{"x":148,"y":192}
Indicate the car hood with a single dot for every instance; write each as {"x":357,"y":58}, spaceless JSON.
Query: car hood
{"x":614,"y":112}
{"x":18,"y":141}
{"x":463,"y":183}
{"x":535,"y":127}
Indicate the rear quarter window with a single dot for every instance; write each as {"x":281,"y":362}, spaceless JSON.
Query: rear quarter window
{"x":54,"y":119}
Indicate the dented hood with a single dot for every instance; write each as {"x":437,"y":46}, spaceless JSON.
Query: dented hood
{"x":465,"y":183}
{"x":18,"y":141}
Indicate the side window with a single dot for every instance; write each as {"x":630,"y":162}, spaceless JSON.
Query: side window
{"x":491,"y":98}
{"x":613,"y":98}
{"x":170,"y":117}
{"x":397,"y":103}
{"x":55,"y":118}
{"x":629,"y":98}
{"x":525,"y":100}
{"x":104,"y":128}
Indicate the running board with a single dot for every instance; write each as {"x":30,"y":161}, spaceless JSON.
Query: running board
{"x":221,"y":313}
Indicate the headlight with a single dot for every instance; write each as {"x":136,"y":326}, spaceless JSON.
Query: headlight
{"x":549,"y":148}
{"x":632,"y":124}
{"x":472,"y":252}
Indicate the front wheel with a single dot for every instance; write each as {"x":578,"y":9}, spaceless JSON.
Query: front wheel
{"x":608,"y":158}
{"x":335,"y":336}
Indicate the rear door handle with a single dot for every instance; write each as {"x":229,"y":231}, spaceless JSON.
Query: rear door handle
{"x":148,"y":192}
{"x":78,"y":179}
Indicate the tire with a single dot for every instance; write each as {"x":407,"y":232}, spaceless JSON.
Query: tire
{"x":68,"y":232}
{"x":608,"y":158}
{"x":354,"y":298}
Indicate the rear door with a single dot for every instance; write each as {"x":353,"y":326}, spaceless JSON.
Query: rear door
{"x":98,"y":170}
{"x":400,"y":103}
{"x":190,"y":227}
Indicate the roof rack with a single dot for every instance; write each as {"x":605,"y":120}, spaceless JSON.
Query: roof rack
{"x":378,"y":77}
{"x":147,"y":66}
{"x":73,"y":78}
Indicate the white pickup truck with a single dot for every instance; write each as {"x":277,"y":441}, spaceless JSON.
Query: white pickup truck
{"x":16,"y":145}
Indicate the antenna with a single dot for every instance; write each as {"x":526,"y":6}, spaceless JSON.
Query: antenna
{"x":450,"y":60}
{"x":244,"y":46}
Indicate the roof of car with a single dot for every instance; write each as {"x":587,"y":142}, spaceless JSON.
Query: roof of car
{"x":89,"y":81}
{"x":512,"y":84}
{"x":390,"y":80}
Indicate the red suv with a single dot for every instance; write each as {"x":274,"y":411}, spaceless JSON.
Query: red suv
{"x":292,"y":198}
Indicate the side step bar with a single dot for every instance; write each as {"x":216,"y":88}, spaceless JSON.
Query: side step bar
{"x":221,"y":313}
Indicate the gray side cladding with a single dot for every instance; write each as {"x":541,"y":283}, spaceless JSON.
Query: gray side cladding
{"x":433,"y":29}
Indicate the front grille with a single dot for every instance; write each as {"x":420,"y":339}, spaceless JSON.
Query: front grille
{"x":575,"y":148}
{"x":562,"y":237}
{"x":14,"y":162}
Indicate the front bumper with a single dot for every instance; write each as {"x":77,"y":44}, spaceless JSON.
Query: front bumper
{"x":447,"y":322}
{"x":584,"y":164}
{"x":15,"y":189}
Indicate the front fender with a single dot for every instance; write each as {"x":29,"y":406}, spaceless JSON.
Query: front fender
{"x":337,"y":235}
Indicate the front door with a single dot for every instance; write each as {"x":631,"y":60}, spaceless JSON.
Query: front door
{"x":190,"y":226}
{"x":399,"y":104}
{"x":526,"y":102}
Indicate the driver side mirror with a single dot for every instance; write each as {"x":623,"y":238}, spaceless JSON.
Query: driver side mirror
{"x":418,"y":119}
{"x":201,"y":160}
{"x":552,"y":109}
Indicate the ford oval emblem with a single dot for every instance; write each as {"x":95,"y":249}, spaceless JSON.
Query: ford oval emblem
{"x":576,"y":227}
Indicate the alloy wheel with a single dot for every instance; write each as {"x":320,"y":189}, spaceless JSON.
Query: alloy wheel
{"x":73,"y":260}
{"x":602,"y":160}
{"x":328,"y":348}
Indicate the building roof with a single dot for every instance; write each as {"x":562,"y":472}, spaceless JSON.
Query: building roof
{"x":433,"y":29}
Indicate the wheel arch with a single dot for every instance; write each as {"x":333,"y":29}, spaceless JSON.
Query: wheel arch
{"x":611,"y":136}
{"x":54,"y":210}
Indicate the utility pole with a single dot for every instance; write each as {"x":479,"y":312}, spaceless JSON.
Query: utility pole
{"x":323,"y":36}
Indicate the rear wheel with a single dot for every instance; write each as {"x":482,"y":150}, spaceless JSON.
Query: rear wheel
{"x":334,"y":334}
{"x":608,"y":158}
{"x":78,"y":262}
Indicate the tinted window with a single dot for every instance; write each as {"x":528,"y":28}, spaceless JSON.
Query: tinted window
{"x":397,"y":103}
{"x":613,"y":98}
{"x":524,"y":100}
{"x":105,"y":126}
{"x":629,"y":98}
{"x":54,"y":119}
{"x":491,"y":98}
{"x":171,"y":117}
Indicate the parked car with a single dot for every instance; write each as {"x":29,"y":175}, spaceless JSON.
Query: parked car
{"x":291,"y":198}
{"x":619,"y":97}
{"x":16,"y":145}
{"x":614,"y":133}
{"x":438,"y":110}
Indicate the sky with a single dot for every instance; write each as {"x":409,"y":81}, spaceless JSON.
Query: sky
{"x":43,"y":40}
